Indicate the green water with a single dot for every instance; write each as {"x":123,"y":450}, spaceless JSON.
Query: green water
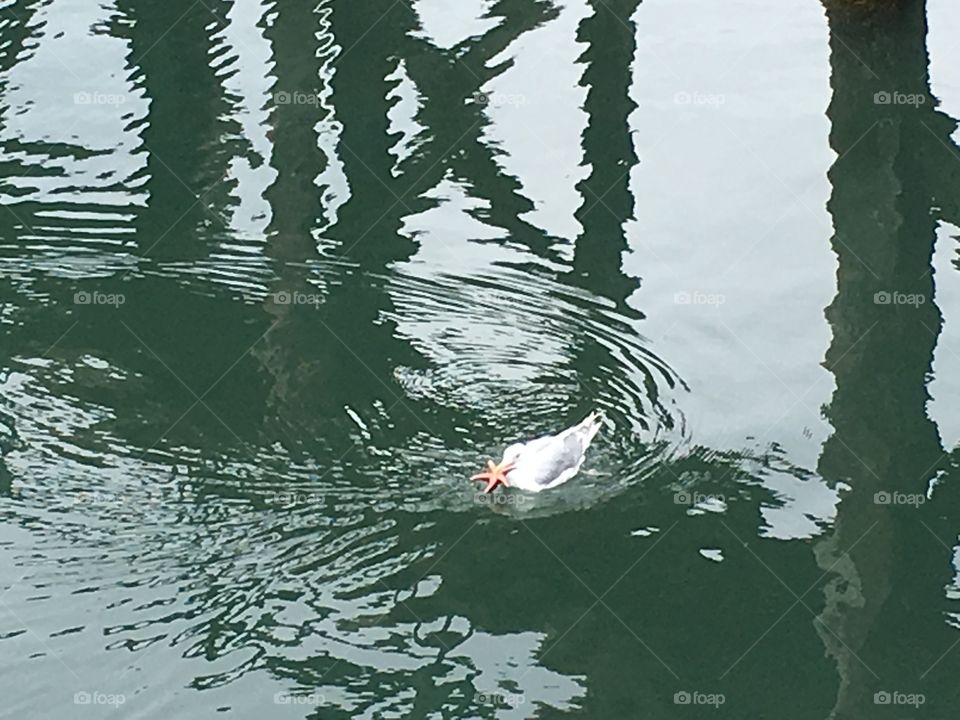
{"x":277,"y":277}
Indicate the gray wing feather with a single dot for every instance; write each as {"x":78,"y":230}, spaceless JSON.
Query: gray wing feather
{"x":553,"y":459}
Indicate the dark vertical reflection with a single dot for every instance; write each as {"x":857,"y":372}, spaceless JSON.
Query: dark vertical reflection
{"x":187,"y":336}
{"x":883,"y":621}
{"x":610,"y":35}
{"x":176,"y":59}
{"x":333,"y":350}
{"x":371,"y":36}
{"x":296,"y":38}
{"x":18,"y":31}
{"x":300,"y":47}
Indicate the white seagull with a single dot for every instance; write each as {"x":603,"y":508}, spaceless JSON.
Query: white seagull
{"x":543,"y":463}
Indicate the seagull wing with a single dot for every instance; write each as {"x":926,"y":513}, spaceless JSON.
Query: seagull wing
{"x":555,"y":461}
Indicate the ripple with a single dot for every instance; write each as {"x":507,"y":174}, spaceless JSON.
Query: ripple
{"x":522,"y":337}
{"x":525,"y":355}
{"x":239,"y":561}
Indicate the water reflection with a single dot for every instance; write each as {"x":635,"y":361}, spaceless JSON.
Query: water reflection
{"x":346,"y":266}
{"x":889,"y":548}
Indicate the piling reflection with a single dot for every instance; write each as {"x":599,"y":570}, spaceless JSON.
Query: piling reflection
{"x":891,"y":143}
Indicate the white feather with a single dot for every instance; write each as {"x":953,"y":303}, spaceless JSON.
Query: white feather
{"x":551,"y":460}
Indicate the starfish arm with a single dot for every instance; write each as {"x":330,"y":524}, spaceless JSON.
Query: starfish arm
{"x":496,"y":474}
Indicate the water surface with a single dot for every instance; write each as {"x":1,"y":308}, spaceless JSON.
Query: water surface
{"x":278,"y":277}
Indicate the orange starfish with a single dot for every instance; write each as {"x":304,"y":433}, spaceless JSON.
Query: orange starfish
{"x":495,"y":475}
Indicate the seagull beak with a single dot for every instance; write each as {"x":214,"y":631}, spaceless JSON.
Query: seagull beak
{"x":495,"y":475}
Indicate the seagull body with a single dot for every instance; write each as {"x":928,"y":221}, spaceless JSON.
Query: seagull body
{"x":545,"y":462}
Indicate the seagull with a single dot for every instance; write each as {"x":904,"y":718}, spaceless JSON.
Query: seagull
{"x":545,"y":462}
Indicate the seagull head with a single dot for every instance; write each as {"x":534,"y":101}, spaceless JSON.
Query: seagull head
{"x":512,"y":454}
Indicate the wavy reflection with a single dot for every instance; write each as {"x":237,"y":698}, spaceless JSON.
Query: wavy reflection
{"x":884,"y":554}
{"x":361,"y":246}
